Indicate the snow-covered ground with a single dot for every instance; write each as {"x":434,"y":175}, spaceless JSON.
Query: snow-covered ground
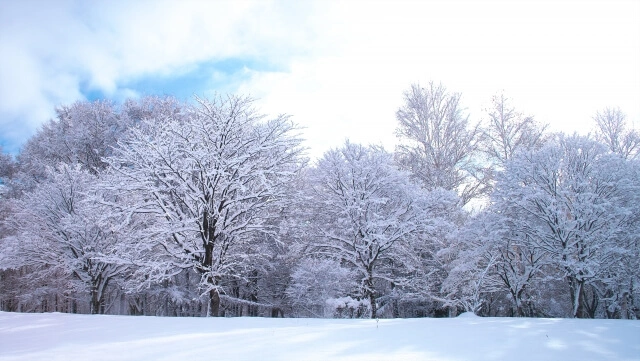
{"x":84,"y":337}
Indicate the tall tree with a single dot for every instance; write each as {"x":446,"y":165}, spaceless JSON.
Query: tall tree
{"x":438,"y":141}
{"x":209,"y":179}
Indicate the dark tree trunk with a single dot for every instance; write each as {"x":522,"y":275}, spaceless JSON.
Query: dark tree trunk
{"x":590,"y":301}
{"x":577,"y":295}
{"x":374,"y":307}
{"x":277,"y":312}
{"x":95,"y":301}
{"x":214,"y":303}
{"x":209,"y":239}
{"x":517,"y":301}
{"x":369,"y":292}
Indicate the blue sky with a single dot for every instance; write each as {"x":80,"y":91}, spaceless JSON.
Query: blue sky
{"x":197,"y":79}
{"x":338,"y":67}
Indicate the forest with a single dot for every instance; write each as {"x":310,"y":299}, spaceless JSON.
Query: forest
{"x":163,"y":207}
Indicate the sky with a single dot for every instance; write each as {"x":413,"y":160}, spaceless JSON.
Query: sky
{"x":339,"y":68}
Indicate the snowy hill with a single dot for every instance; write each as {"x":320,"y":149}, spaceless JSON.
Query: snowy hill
{"x":85,"y":337}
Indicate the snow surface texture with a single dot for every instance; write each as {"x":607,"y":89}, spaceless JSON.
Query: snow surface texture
{"x":58,"y":336}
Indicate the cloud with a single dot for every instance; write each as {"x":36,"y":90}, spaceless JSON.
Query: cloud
{"x":560,"y":62}
{"x":340,"y":67}
{"x":57,"y":52}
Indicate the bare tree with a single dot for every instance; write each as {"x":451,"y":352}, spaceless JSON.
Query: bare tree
{"x":439,"y":142}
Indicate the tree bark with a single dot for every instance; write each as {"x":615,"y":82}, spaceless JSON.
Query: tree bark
{"x":95,"y":301}
{"x":374,"y":307}
{"x":370,"y":294}
{"x":576,"y":298}
{"x":214,"y":303}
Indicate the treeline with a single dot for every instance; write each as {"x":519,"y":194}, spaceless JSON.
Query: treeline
{"x":159,"y":207}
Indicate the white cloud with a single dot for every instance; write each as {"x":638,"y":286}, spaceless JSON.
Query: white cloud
{"x":560,"y":61}
{"x":52,"y":49}
{"x":342,"y":65}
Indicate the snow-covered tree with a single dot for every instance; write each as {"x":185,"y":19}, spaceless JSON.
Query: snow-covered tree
{"x":134,"y":111}
{"x":82,"y":133}
{"x":493,"y":256}
{"x":314,"y":281}
{"x":507,"y":131}
{"x":472,"y":259}
{"x":60,"y":233}
{"x":7,"y":167}
{"x":438,"y":143}
{"x":430,"y":256}
{"x":613,"y":130}
{"x":366,"y":214}
{"x":573,"y":201}
{"x":208,"y":179}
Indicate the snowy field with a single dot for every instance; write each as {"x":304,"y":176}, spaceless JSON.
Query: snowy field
{"x":84,"y":337}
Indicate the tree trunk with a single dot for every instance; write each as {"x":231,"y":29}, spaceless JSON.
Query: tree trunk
{"x":517,"y":300}
{"x":369,"y":292}
{"x":590,"y":301}
{"x":95,"y":301}
{"x":214,"y":303}
{"x":576,"y":298}
{"x":374,"y":307}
